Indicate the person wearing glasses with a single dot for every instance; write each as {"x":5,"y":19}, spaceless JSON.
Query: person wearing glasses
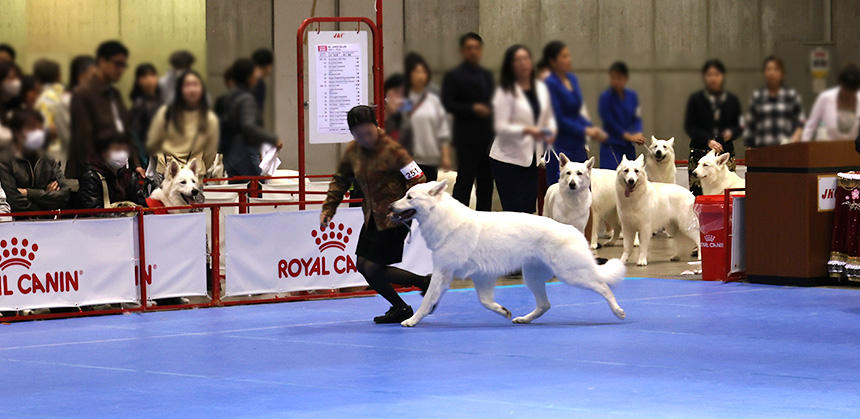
{"x":98,"y":113}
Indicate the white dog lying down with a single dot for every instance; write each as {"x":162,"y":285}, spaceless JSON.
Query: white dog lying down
{"x":569,"y":200}
{"x":644,"y":207}
{"x":485,"y":245}
{"x":715,"y":174}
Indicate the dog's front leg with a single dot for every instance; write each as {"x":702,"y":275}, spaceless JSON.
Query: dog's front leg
{"x":644,"y":241}
{"x":629,"y":235}
{"x":439,"y":283}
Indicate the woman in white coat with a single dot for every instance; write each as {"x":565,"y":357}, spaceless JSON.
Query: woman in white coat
{"x":524,"y":124}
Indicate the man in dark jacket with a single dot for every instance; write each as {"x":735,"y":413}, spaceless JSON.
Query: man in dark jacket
{"x":467,"y":94}
{"x":31,"y":180}
{"x":97,"y":110}
{"x":242,"y":131}
{"x":110,"y":169}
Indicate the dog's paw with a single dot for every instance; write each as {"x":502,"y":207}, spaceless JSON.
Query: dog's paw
{"x":521,"y":320}
{"x":619,"y":313}
{"x":410,"y":322}
{"x":624,"y":258}
{"x":642,"y":262}
{"x":595,"y":246}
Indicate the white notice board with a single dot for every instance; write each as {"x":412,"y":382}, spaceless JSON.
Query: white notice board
{"x":338,"y":81}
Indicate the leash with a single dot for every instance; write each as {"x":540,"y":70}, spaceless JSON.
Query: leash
{"x":546,"y":154}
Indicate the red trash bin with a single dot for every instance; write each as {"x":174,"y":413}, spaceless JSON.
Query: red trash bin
{"x":711,"y":210}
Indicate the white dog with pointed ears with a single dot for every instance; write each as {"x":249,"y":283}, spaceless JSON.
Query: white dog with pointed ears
{"x":645,"y":207}
{"x":180,"y":187}
{"x":660,"y":161}
{"x":569,"y":200}
{"x":715,"y":175}
{"x":485,"y":245}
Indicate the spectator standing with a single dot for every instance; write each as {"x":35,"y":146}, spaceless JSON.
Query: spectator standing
{"x":567,"y":103}
{"x":775,"y":115}
{"x":429,"y":136}
{"x":394,"y":89}
{"x":107,"y":181}
{"x":50,"y":101}
{"x":185,"y":129}
{"x":466,"y":93}
{"x":712,"y":120}
{"x":10,"y":87}
{"x":98,"y":112}
{"x":146,"y":99}
{"x":30,"y":91}
{"x":264,"y":62}
{"x":220,"y":107}
{"x":31,"y":180}
{"x":81,"y":70}
{"x":622,"y":118}
{"x":523,"y":121}
{"x":7,"y":53}
{"x":836,"y":111}
{"x":180,"y":62}
{"x":242,"y":129}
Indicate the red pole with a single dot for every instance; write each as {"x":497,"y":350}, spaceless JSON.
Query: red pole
{"x":141,"y":243}
{"x":216,"y":255}
{"x":378,"y":93}
{"x":300,"y":88}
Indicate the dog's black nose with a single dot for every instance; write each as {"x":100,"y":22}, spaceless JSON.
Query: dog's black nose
{"x":194,"y":192}
{"x":658,"y":154}
{"x":630,"y":181}
{"x":572,"y":185}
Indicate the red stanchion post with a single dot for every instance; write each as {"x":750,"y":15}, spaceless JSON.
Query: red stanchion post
{"x":216,"y":255}
{"x":141,"y":243}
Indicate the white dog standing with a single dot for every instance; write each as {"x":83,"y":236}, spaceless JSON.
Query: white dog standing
{"x":603,"y":205}
{"x":180,"y":186}
{"x":485,"y":245}
{"x":660,"y":161}
{"x":644,"y":207}
{"x":715,"y":175}
{"x":569,"y":200}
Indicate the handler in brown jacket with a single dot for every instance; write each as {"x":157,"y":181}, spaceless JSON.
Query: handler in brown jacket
{"x":384,"y":171}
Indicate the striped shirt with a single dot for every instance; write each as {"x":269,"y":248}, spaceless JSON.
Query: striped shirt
{"x":772,"y":119}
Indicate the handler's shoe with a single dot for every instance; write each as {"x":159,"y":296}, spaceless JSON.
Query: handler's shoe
{"x":394,"y":315}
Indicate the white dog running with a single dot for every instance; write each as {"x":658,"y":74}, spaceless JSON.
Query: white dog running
{"x":644,"y":207}
{"x":715,"y":175}
{"x":569,"y":200}
{"x":660,"y":162}
{"x":485,"y":245}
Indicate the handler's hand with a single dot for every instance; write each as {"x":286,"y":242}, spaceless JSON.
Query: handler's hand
{"x":324,"y":219}
{"x":716,"y":146}
{"x":53,"y":186}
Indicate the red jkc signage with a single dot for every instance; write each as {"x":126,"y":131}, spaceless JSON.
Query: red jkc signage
{"x":18,"y":255}
{"x":331,"y":239}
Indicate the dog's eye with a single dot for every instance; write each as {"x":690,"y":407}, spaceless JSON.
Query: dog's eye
{"x":626,"y":170}
{"x":636,"y":170}
{"x":408,"y":197}
{"x":184,"y":182}
{"x":579,"y":173}
{"x":568,"y":173}
{"x":705,"y":165}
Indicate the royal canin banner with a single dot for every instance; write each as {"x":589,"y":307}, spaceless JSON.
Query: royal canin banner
{"x":290,"y":251}
{"x":67,"y":263}
{"x":175,"y":255}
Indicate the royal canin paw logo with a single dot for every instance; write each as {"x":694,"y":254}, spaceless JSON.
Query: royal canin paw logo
{"x":17,"y":253}
{"x":337,"y":236}
{"x":710,"y":238}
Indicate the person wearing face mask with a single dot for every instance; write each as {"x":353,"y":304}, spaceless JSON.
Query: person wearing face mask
{"x":384,"y":171}
{"x":108,"y":181}
{"x":185,"y":129}
{"x":712,"y":120}
{"x":10,"y":90}
{"x":32,"y":181}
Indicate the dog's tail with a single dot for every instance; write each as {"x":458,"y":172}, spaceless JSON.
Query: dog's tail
{"x":611,"y":272}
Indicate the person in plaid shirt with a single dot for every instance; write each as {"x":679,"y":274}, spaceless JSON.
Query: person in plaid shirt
{"x":775,"y":114}
{"x":384,"y":171}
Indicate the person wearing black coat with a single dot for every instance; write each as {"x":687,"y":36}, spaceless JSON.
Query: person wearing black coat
{"x":31,"y":180}
{"x":242,"y":131}
{"x":712,"y":120}
{"x":467,"y":93}
{"x":110,"y":168}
